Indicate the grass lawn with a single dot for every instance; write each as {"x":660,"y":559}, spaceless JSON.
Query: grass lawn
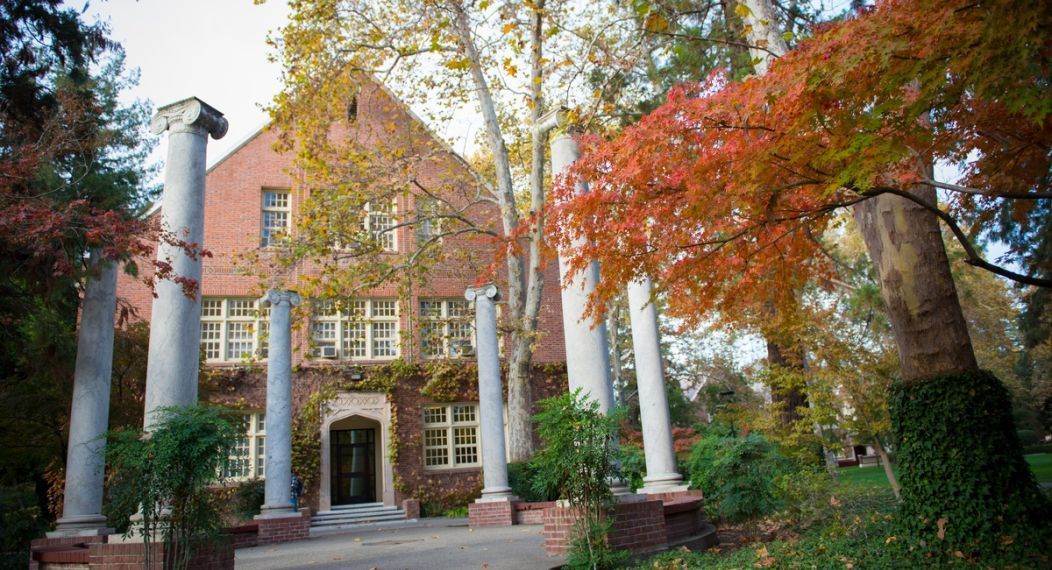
{"x":1040,"y":464}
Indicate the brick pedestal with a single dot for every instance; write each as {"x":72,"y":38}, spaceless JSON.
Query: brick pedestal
{"x":411,"y":508}
{"x":95,"y":553}
{"x":638,"y":527}
{"x":284,"y":529}
{"x":491,"y":513}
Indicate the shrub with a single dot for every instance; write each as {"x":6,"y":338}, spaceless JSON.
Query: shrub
{"x":521,"y":479}
{"x":248,"y":498}
{"x":633,"y":465}
{"x":577,"y":462}
{"x":736,"y":473}
{"x":169,"y":473}
{"x":806,"y":496}
{"x":21,"y":520}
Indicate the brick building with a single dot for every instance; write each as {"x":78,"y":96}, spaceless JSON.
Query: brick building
{"x":383,"y":383}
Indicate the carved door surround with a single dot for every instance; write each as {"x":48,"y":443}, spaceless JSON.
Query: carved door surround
{"x":368,"y":405}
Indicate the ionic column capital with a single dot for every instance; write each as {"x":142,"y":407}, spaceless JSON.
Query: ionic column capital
{"x":279,"y":296}
{"x":189,"y":115}
{"x":488,"y":291}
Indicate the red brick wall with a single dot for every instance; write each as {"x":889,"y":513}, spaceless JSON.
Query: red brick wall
{"x":638,"y":527}
{"x":491,"y":513}
{"x":246,"y":388}
{"x":233,"y":199}
{"x":130,"y":556}
{"x":285,"y":529}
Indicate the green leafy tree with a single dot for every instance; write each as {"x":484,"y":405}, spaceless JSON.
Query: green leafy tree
{"x":577,"y":462}
{"x":166,"y":477}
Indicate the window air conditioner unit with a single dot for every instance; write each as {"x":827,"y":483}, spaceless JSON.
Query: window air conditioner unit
{"x":462,"y":349}
{"x":327,"y":352}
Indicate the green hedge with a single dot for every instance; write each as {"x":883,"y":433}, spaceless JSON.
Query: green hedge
{"x":962,"y":470}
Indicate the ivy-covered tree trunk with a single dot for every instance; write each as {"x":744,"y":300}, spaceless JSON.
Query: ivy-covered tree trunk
{"x":965,"y":484}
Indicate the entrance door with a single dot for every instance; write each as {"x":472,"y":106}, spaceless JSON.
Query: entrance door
{"x":353,"y":466}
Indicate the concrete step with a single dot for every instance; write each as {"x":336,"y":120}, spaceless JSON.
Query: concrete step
{"x":357,"y":514}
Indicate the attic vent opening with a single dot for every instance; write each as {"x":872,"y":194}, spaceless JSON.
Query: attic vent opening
{"x":352,"y":109}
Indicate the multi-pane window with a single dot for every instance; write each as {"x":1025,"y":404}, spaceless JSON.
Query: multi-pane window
{"x":428,"y":224}
{"x":451,"y":436}
{"x":445,"y":328}
{"x":276,"y":217}
{"x":248,"y":456}
{"x":380,"y":222}
{"x":233,"y":329}
{"x":356,"y":329}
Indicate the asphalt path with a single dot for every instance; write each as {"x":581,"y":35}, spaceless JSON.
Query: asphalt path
{"x":430,"y":544}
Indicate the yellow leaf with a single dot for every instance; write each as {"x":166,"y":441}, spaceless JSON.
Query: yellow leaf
{"x":508,"y":27}
{"x":742,"y":10}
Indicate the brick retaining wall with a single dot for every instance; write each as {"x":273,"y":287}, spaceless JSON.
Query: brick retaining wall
{"x":285,"y":529}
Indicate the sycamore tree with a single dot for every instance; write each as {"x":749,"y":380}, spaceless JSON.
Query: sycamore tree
{"x":505,"y":61}
{"x":745,"y":178}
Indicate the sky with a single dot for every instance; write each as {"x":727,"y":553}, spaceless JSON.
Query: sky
{"x":214,"y":50}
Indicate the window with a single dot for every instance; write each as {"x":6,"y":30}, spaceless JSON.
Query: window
{"x":275,"y":217}
{"x":233,"y":329}
{"x":428,"y":225}
{"x":451,"y":436}
{"x":357,"y":329}
{"x":380,"y":222}
{"x":445,"y":328}
{"x":248,"y":457}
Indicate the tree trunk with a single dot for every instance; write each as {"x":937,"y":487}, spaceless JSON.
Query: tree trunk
{"x":520,"y":397}
{"x":524,"y":297}
{"x":791,"y":360}
{"x":905,"y":245}
{"x":886,"y":462}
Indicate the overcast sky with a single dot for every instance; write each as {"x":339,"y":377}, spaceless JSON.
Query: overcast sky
{"x":212,"y":49}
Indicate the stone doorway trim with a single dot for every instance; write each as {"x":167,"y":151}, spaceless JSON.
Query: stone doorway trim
{"x":368,"y":405}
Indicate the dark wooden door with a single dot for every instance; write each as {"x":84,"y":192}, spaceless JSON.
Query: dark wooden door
{"x":353,"y":455}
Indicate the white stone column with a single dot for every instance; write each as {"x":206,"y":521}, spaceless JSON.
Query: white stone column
{"x":175,"y":322}
{"x":587,"y":348}
{"x":89,"y":415}
{"x":278,"y":488}
{"x":662,"y":476}
{"x":491,"y":404}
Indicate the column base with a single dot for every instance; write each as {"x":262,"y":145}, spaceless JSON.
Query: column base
{"x":493,"y":494}
{"x":274,"y":512}
{"x":81,"y":525}
{"x":664,"y":483}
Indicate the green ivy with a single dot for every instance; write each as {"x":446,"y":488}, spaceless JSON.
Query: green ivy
{"x":966,"y":489}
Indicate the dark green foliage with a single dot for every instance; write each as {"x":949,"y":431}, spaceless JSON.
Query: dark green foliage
{"x":961,"y":467}
{"x":521,"y":477}
{"x":858,"y":533}
{"x":248,"y":498}
{"x":633,"y":465}
{"x":736,"y":473}
{"x":21,"y":520}
{"x":170,"y":472}
{"x":577,"y":462}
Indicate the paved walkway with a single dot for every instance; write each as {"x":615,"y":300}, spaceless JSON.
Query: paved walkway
{"x":431,"y":544}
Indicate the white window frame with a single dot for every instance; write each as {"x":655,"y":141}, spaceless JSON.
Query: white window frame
{"x":333,"y":324}
{"x":224,"y":317}
{"x":248,"y":459}
{"x":444,"y":435}
{"x":266,"y":236}
{"x":380,"y":224}
{"x":452,"y":314}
